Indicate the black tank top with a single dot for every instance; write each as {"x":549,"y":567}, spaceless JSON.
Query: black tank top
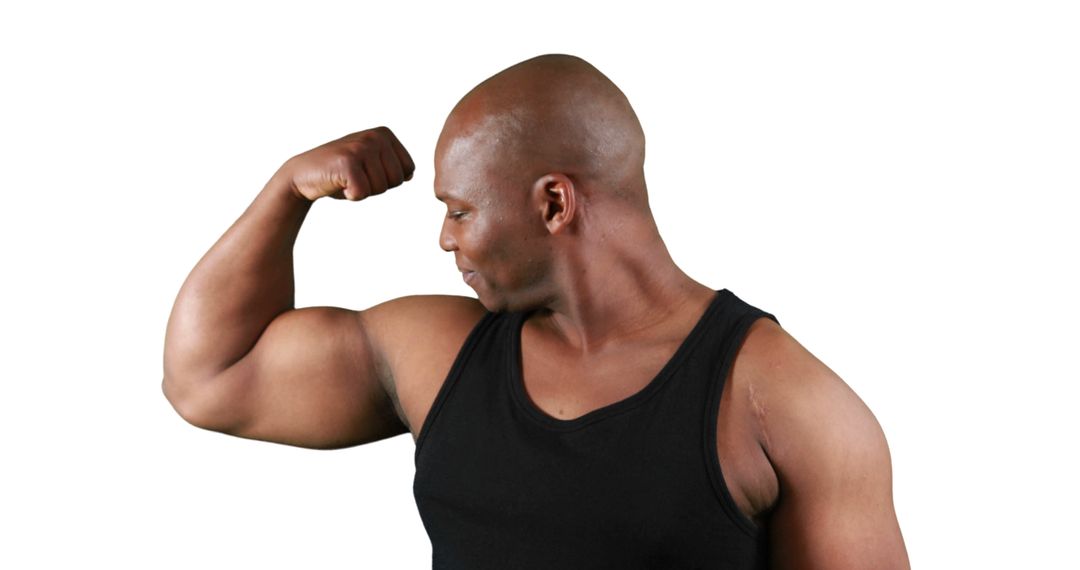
{"x":634,"y":484}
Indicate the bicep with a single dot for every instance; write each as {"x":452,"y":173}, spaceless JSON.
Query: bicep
{"x":311,"y":380}
{"x":835,"y":508}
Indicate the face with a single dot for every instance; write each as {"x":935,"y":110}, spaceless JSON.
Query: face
{"x":497,"y":241}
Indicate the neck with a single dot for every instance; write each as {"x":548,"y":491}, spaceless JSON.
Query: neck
{"x":616,"y":286}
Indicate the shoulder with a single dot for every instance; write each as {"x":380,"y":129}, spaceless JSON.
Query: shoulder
{"x":773,"y":360}
{"x":415,"y":340}
{"x":799,"y":397}
{"x":422,"y":311}
{"x":419,"y":326}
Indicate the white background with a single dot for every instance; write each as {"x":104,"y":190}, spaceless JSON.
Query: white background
{"x":896,"y":184}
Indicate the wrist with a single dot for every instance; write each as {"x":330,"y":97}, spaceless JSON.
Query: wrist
{"x":281,"y":185}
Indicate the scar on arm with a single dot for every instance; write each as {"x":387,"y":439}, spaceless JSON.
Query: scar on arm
{"x":757,"y":406}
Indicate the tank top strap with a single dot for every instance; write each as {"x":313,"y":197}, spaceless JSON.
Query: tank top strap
{"x":481,"y":338}
{"x":727,"y":325}
{"x":728,"y":330}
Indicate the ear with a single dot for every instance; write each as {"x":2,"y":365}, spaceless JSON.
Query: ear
{"x":556,"y":198}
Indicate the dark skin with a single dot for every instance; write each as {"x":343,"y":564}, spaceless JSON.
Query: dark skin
{"x":541,"y":170}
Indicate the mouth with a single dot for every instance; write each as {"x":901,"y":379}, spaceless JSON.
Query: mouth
{"x":467,"y":275}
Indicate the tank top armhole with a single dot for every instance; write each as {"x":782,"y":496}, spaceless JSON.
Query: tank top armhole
{"x":451,"y":379}
{"x":716,"y":390}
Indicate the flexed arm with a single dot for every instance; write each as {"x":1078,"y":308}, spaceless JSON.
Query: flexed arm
{"x":239,"y":358}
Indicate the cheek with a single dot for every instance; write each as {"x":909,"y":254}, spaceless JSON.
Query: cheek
{"x":498,"y":240}
{"x":478,"y":242}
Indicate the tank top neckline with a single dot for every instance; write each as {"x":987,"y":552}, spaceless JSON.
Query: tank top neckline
{"x":521,"y":397}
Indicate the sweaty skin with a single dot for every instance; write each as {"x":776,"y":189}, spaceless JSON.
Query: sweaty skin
{"x":541,"y":170}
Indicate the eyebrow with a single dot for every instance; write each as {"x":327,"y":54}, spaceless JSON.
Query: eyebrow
{"x":444,"y":196}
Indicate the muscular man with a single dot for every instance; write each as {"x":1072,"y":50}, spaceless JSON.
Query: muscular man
{"x":593,"y":407}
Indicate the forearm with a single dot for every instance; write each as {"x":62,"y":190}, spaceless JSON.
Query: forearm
{"x":241,"y":284}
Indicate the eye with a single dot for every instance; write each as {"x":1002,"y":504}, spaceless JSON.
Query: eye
{"x":455,"y":214}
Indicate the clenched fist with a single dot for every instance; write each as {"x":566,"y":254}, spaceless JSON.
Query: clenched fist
{"x":352,"y":168}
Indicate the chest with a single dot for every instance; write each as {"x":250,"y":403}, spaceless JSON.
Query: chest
{"x":611,"y":493}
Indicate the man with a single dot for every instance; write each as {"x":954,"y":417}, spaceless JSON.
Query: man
{"x":593,"y":407}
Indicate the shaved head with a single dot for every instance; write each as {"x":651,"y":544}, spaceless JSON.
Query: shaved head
{"x":541,"y":168}
{"x":552,"y":113}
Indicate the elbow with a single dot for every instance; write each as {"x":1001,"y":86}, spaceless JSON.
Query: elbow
{"x":180,"y":400}
{"x":192,"y":404}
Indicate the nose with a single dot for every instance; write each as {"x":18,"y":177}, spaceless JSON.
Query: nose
{"x":446,"y":239}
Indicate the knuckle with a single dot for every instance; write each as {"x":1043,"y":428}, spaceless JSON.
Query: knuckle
{"x":342,"y":161}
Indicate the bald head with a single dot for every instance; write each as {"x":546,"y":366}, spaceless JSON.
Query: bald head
{"x":552,"y":113}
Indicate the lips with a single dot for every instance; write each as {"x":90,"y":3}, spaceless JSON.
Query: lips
{"x":467,"y":275}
